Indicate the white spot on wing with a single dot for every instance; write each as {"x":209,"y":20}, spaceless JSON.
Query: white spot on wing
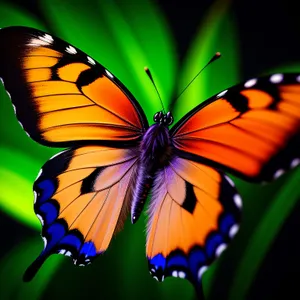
{"x":39,"y":174}
{"x":250,"y":83}
{"x":68,"y":253}
{"x":70,"y":49}
{"x":43,"y":40}
{"x":181,"y":274}
{"x":14,"y":107}
{"x":175,"y":273}
{"x":41,"y":219}
{"x":91,"y":61}
{"x":62,"y":251}
{"x":233,"y":230}
{"x":295,"y":162}
{"x":45,"y":241}
{"x":222,"y":94}
{"x":81,"y":265}
{"x":35,"y":196}
{"x":47,"y":38}
{"x":220,"y":249}
{"x":201,"y":272}
{"x":55,"y":155}
{"x":276,"y":78}
{"x":37,"y":42}
{"x":238,"y":200}
{"x":278,"y":173}
{"x":109,"y":74}
{"x":155,"y":278}
{"x":229,"y":180}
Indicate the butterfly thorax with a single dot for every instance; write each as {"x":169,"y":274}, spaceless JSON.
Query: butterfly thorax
{"x":156,"y":152}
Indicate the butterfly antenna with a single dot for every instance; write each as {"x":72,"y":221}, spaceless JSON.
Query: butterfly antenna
{"x":151,"y":78}
{"x":215,"y":57}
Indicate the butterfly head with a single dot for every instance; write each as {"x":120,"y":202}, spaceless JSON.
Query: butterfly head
{"x":165,"y":119}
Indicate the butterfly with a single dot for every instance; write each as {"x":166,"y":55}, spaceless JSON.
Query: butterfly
{"x":114,"y":159}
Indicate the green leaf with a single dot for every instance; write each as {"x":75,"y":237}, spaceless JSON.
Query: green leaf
{"x":217,"y":33}
{"x":17,"y":174}
{"x":261,"y":240}
{"x":155,"y":40}
{"x":12,"y":269}
{"x":11,"y":15}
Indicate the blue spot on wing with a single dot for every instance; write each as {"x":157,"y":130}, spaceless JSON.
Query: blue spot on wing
{"x":212,"y":242}
{"x":54,"y":234}
{"x":49,"y":211}
{"x":226,"y":222}
{"x":197,"y":258}
{"x":177,"y":261}
{"x":88,"y":249}
{"x":47,"y":189}
{"x":159,"y":261}
{"x":71,"y":240}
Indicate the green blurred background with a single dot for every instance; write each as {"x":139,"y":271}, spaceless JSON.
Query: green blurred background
{"x":175,"y":40}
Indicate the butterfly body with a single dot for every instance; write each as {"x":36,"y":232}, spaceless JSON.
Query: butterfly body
{"x":155,"y":153}
{"x":113,"y":160}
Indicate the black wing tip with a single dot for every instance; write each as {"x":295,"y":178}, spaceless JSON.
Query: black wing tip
{"x":199,"y":291}
{"x":28,"y":275}
{"x":32,"y":270}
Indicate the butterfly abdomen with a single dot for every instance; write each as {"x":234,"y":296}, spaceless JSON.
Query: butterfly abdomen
{"x":155,"y":153}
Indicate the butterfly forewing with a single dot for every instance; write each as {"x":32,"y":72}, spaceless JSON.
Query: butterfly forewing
{"x":62,"y":96}
{"x":250,"y":130}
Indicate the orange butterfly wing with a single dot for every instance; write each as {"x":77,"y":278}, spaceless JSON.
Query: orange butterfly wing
{"x":193,"y":215}
{"x":62,"y":96}
{"x":82,"y":197}
{"x":251,"y":130}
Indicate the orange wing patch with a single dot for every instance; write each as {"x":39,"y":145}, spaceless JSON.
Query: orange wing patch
{"x":71,"y":72}
{"x":109,"y":96}
{"x":257,"y":98}
{"x":35,"y":62}
{"x":247,"y":130}
{"x":41,"y":74}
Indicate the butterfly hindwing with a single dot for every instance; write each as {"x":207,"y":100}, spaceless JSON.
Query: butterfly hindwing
{"x":82,"y":198}
{"x":62,"y":96}
{"x":194,"y":213}
{"x":250,"y":130}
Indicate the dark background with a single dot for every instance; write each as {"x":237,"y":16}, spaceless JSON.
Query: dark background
{"x":268,"y":33}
